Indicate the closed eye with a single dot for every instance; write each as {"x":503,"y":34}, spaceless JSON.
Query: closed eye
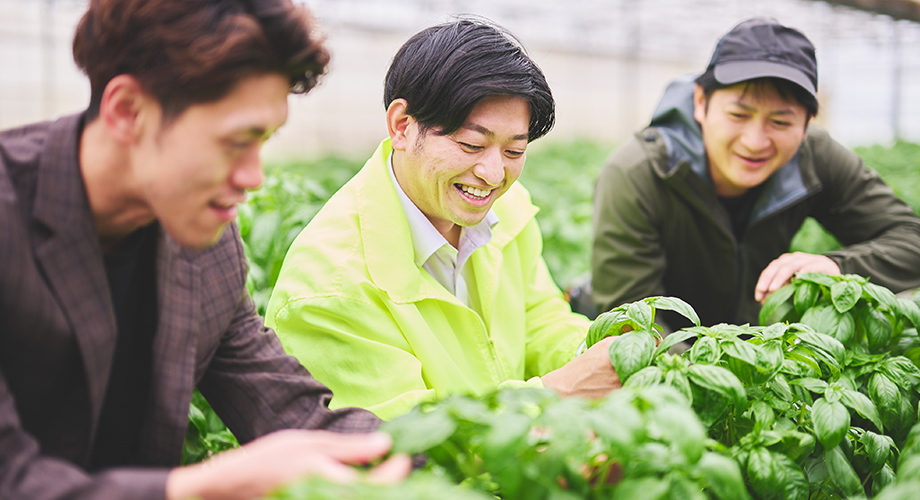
{"x":470,"y":148}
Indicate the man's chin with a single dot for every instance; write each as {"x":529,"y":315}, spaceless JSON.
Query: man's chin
{"x":199,"y":240}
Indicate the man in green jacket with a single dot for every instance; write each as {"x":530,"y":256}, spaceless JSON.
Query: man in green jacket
{"x":423,"y":276}
{"x":703,"y":204}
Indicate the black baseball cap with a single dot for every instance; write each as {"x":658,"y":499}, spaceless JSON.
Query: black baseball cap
{"x":761,"y":48}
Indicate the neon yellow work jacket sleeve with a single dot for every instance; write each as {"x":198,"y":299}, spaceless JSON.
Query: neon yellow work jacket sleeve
{"x":353,"y":306}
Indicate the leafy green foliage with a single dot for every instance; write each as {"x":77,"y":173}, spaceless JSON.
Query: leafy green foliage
{"x":813,"y":407}
{"x":275,"y":214}
{"x":206,"y":433}
{"x":529,"y":444}
{"x":753,"y":389}
{"x":560,"y":177}
{"x":420,"y":486}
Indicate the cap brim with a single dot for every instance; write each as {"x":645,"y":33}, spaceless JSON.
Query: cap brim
{"x":732,"y":72}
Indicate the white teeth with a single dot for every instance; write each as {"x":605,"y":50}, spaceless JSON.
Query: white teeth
{"x":478,"y":193}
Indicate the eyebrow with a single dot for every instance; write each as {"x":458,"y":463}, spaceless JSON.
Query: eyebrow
{"x":786,"y":111}
{"x":488,"y":133}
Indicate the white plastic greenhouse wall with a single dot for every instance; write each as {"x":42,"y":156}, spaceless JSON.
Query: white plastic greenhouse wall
{"x":606,"y":60}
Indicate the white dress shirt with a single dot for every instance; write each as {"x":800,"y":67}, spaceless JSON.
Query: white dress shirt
{"x":446,"y":264}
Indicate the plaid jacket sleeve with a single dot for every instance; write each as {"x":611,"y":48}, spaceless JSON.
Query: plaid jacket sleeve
{"x":256,"y":388}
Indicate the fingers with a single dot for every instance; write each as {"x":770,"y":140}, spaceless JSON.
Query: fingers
{"x":772,"y":278}
{"x":355,"y":448}
{"x":589,"y":375}
{"x":784,"y":267}
{"x":391,"y":471}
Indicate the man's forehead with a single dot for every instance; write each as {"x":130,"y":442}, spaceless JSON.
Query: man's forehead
{"x":756,"y":94}
{"x":475,"y":127}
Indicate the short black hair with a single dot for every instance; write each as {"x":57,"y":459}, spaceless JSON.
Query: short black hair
{"x":784,"y":88}
{"x":444,"y":71}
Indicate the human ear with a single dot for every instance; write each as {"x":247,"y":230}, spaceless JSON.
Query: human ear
{"x":398,"y":123}
{"x":124,"y":108}
{"x":699,"y":103}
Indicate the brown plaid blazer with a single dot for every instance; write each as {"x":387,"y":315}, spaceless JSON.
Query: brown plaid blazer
{"x":57,"y":334}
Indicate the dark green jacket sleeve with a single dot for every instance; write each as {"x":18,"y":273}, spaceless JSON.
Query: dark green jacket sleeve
{"x":880,"y":233}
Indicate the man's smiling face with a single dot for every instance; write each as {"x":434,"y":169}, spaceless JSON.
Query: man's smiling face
{"x":454,"y":179}
{"x":750,"y":132}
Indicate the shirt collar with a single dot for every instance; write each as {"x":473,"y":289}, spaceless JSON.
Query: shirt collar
{"x":426,"y":240}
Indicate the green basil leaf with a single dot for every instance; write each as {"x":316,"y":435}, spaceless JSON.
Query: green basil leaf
{"x":878,"y":329}
{"x":622,"y":431}
{"x":642,"y":314}
{"x":678,"y":424}
{"x":862,"y":405}
{"x":833,"y":392}
{"x":419,"y":431}
{"x":831,"y":422}
{"x":886,"y":396}
{"x":885,"y":477}
{"x":800,"y":362}
{"x":910,"y":310}
{"x":882,"y":296}
{"x":806,"y":295}
{"x":771,"y":312}
{"x":631,"y":352}
{"x":677,"y":305}
{"x":815,"y":385}
{"x":679,"y":381}
{"x":648,"y":376}
{"x":506,"y":435}
{"x":845,"y":294}
{"x":680,"y":486}
{"x":197,"y":418}
{"x":722,"y":476}
{"x":878,"y":449}
{"x":673,"y":339}
{"x":796,"y":444}
{"x":766,"y":476}
{"x":780,"y":388}
{"x":774,"y":331}
{"x":763,"y":414}
{"x":706,"y":351}
{"x":827,"y":320}
{"x":651,"y":488}
{"x":822,"y":279}
{"x":745,"y":351}
{"x":825,"y":343}
{"x":605,"y":325}
{"x":720,"y":380}
{"x":841,"y":472}
{"x":902,"y":371}
{"x":769,"y":362}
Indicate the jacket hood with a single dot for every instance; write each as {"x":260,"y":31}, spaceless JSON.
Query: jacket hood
{"x":683,"y":138}
{"x":680,"y":131}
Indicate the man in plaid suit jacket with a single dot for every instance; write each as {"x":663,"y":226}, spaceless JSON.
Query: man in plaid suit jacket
{"x":122,"y":276}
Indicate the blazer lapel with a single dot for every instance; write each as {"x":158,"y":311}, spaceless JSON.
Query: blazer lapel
{"x":70,"y":256}
{"x":174,"y":349}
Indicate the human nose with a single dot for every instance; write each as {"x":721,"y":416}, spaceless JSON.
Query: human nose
{"x":491,"y":167}
{"x":249,"y":175}
{"x":755,"y":137}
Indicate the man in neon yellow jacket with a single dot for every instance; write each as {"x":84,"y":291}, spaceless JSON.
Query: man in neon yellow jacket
{"x":423,"y":275}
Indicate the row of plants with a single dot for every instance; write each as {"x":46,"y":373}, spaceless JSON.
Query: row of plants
{"x":294,"y":192}
{"x":820,"y":404}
